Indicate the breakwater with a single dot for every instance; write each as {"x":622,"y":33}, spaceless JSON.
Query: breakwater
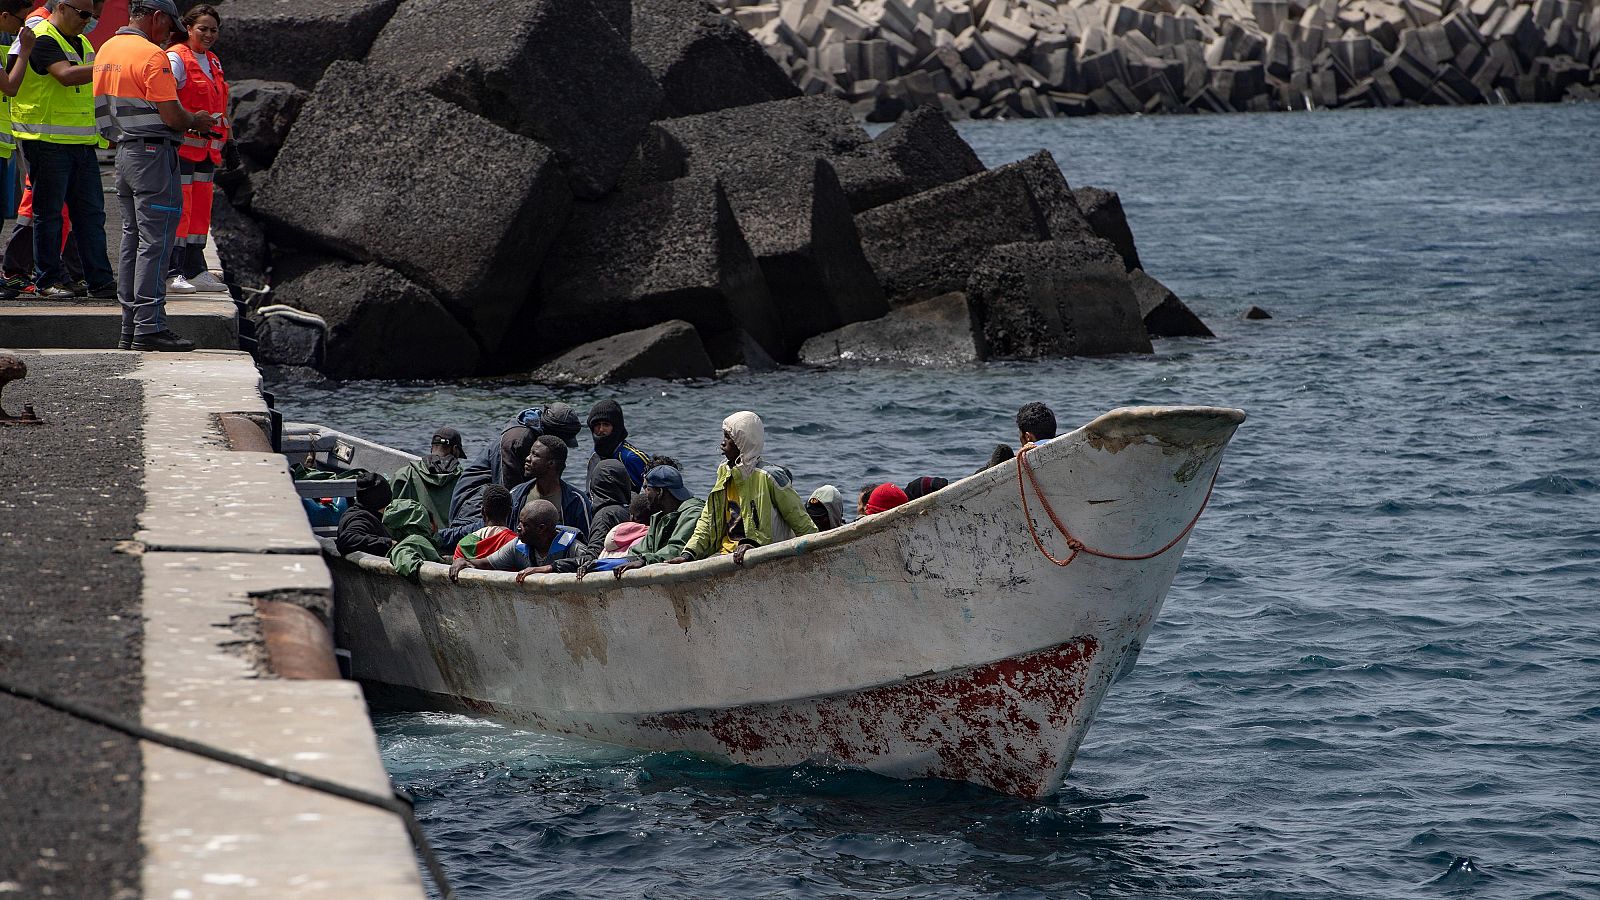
{"x":1043,"y":58}
{"x":598,"y":191}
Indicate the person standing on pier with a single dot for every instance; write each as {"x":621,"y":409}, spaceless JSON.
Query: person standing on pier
{"x":201,"y":86}
{"x":53,"y":121}
{"x":136,"y":107}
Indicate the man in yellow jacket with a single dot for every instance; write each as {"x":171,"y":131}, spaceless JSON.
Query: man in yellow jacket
{"x":52,"y":120}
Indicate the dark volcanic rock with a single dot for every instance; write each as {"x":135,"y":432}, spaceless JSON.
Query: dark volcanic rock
{"x":287,"y":337}
{"x":1056,"y":298}
{"x":1255,"y":312}
{"x":295,"y":40}
{"x":767,"y":135}
{"x":380,"y":325}
{"x":669,"y":350}
{"x":1163,"y":313}
{"x":1103,"y":209}
{"x":241,"y":244}
{"x":798,"y":224}
{"x":658,"y":157}
{"x":928,"y":243}
{"x":1054,"y":197}
{"x":936,"y":332}
{"x":663,"y":252}
{"x":261,"y":114}
{"x":549,"y":69}
{"x":461,"y":206}
{"x":702,"y":59}
{"x":772,"y":161}
{"x":921,"y":151}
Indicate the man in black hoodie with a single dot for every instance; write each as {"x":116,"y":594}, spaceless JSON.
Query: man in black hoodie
{"x":611,"y":442}
{"x":361,"y":527}
{"x":610,"y":493}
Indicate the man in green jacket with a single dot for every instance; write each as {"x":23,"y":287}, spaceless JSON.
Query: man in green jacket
{"x":747,"y":507}
{"x":675,"y":511}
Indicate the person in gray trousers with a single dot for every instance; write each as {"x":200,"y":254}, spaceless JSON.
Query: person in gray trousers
{"x":136,"y":108}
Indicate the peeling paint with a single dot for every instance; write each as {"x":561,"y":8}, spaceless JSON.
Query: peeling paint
{"x":1008,"y":724}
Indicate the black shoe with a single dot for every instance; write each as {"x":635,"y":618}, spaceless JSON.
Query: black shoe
{"x":125,"y":342}
{"x":9,"y":293}
{"x":57,"y":292}
{"x":161,"y":342}
{"x":79,"y":287}
{"x":107,"y":291}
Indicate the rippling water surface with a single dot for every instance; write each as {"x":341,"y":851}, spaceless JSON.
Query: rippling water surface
{"x":1378,"y":672}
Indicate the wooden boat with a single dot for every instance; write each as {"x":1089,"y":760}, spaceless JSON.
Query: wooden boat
{"x":970,"y":634}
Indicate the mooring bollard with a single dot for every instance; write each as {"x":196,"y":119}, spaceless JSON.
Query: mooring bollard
{"x":12,"y":368}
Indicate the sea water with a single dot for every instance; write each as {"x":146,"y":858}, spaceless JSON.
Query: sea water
{"x":1378,"y":671}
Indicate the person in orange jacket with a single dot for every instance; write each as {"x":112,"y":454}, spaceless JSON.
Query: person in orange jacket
{"x":201,"y":87}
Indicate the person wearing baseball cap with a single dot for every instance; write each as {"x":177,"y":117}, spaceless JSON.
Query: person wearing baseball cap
{"x":136,"y":108}
{"x":675,"y":511}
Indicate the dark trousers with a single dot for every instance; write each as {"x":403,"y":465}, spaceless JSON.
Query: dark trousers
{"x":18,"y":259}
{"x":67,"y":174}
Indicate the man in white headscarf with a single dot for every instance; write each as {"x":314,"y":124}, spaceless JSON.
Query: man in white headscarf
{"x":747,"y":507}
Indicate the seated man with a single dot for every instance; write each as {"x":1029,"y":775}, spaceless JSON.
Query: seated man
{"x":611,"y":442}
{"x":542,"y":545}
{"x":500,"y":462}
{"x":361,"y":528}
{"x":927,"y":484}
{"x":825,"y":506}
{"x":546,"y":462}
{"x":746,"y":504}
{"x":610,"y":494}
{"x":674,"y":513}
{"x":496,"y":531}
{"x":431,"y":480}
{"x":883,"y":498}
{"x":1036,"y":424}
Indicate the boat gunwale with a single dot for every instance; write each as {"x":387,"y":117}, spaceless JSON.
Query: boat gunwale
{"x":1114,"y":422}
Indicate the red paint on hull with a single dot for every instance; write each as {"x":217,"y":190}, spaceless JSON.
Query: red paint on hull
{"x":1007,"y":724}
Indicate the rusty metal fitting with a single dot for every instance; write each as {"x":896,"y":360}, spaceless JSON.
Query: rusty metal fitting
{"x":12,"y":368}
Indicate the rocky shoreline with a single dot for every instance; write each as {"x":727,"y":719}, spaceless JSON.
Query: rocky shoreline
{"x":592,"y":192}
{"x":1046,"y":58}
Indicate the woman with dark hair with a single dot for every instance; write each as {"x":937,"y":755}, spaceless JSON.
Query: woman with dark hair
{"x":201,"y":86}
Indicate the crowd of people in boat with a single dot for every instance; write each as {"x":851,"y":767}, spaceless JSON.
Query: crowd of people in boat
{"x":511,"y":507}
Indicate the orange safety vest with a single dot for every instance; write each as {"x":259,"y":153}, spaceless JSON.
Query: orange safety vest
{"x":202,"y":94}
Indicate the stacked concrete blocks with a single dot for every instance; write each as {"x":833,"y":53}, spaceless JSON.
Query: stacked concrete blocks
{"x":1043,"y":58}
{"x":919,"y":152}
{"x":702,"y":60}
{"x":536,"y":71}
{"x":474,"y":234}
{"x":380,"y":324}
{"x":296,"y":40}
{"x":1055,"y":298}
{"x":663,"y":252}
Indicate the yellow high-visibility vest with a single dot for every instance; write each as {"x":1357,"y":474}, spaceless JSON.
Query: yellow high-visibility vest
{"x":47,"y":110}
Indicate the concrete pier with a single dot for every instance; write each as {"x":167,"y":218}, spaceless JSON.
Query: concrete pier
{"x":136,"y":550}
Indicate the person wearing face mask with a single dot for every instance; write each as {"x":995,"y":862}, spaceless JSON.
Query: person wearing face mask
{"x":136,"y":107}
{"x":201,"y":86}
{"x":611,"y":442}
{"x":53,"y":121}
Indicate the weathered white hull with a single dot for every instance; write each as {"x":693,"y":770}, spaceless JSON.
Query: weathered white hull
{"x":933,"y":640}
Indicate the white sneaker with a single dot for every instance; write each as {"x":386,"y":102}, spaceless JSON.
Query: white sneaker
{"x":180,"y":285}
{"x":208,"y":282}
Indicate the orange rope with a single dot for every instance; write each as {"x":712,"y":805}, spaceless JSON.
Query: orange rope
{"x":1075,"y":545}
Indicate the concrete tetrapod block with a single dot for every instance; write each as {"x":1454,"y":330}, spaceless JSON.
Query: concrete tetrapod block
{"x":664,"y":252}
{"x":1056,"y":298}
{"x":551,"y":70}
{"x":928,"y":243}
{"x":1103,"y":210}
{"x":921,"y":151}
{"x":1057,"y":203}
{"x":936,"y":332}
{"x":767,"y":136}
{"x":703,"y":60}
{"x":380,"y":324}
{"x":260,"y":114}
{"x":798,"y":224}
{"x":669,"y":350}
{"x":296,"y":40}
{"x":472,"y":233}
{"x":1163,"y":313}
